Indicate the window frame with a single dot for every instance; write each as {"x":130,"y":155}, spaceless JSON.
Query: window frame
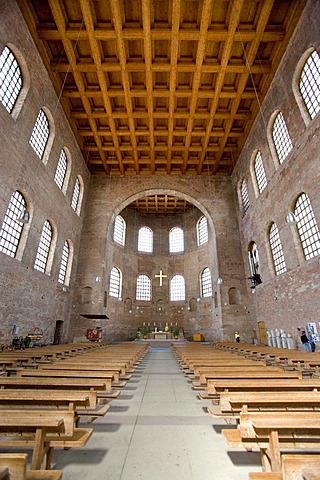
{"x":202,"y":231}
{"x":277,"y":254}
{"x":115,"y":288}
{"x":303,"y":227}
{"x":173,"y":294}
{"x":45,"y":245}
{"x":145,"y":240}
{"x":206,"y":283}
{"x":176,"y":240}
{"x":12,"y":214}
{"x":119,"y":230}
{"x":143,"y":288}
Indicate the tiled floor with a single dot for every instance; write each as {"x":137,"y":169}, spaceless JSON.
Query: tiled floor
{"x":157,"y":429}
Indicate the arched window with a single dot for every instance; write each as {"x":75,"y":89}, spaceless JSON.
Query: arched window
{"x":11,"y":229}
{"x":61,"y":170}
{"x":202,"y":231}
{"x":177,"y":288}
{"x":64,"y":272}
{"x":41,"y":261}
{"x":206,"y":283}
{"x":145,"y":240}
{"x":245,"y":196}
{"x":40,"y":134}
{"x":143,"y":289}
{"x":276,"y":250}
{"x":281,"y":138}
{"x":309,"y":84}
{"x":119,"y":230}
{"x":260,"y":172}
{"x":115,"y":283}
{"x":307,"y":227}
{"x":176,"y":240}
{"x":77,"y":195}
{"x":10,"y":79}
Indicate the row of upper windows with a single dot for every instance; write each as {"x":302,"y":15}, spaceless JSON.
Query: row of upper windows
{"x":307,"y":230}
{"x":307,"y":92}
{"x":145,"y":236}
{"x":14,"y":229}
{"x":177,"y":288}
{"x":41,"y":139}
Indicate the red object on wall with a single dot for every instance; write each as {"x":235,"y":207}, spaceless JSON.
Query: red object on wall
{"x":94,"y":334}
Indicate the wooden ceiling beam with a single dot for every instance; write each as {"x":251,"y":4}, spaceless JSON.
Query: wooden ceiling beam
{"x":117,"y":21}
{"x":204,"y":26}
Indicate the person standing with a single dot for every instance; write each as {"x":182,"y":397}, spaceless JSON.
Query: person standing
{"x":305,"y":341}
{"x":237,"y":337}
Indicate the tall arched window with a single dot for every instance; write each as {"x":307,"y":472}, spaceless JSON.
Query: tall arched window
{"x":206,"y":283}
{"x":119,"y":230}
{"x":77,"y":195}
{"x":260,"y":172}
{"x":61,"y":169}
{"x":42,"y":257}
{"x":245,"y":196}
{"x":309,"y":84}
{"x":64,"y":272}
{"x":10,"y":79}
{"x":276,"y":250}
{"x":143,"y":288}
{"x":115,"y":283}
{"x":176,"y":240}
{"x":40,"y":134}
{"x":177,"y":288}
{"x":11,"y":229}
{"x":145,"y":240}
{"x":281,"y":138}
{"x":202,"y":231}
{"x":307,"y":227}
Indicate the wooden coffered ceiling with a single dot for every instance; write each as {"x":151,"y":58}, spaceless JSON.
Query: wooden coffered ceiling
{"x":155,"y":87}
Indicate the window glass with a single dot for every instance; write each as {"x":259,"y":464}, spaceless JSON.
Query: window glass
{"x":281,"y":138}
{"x":115,"y":283}
{"x":119,"y":230}
{"x":276,"y":250}
{"x":10,"y":79}
{"x":75,"y":195}
{"x":64,"y":263}
{"x":40,"y":134}
{"x":145,"y":240}
{"x":206,"y":283}
{"x":307,"y":227}
{"x":11,"y":229}
{"x":143,"y":290}
{"x":61,"y":170}
{"x":260,"y":172}
{"x":44,"y":247}
{"x":309,"y":84}
{"x":177,"y":288}
{"x":245,"y":196}
{"x":202,"y":231}
{"x":176,"y":240}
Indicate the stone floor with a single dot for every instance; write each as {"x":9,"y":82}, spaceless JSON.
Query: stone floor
{"x":157,"y":429}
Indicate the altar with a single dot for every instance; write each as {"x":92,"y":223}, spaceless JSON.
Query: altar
{"x":160,"y":335}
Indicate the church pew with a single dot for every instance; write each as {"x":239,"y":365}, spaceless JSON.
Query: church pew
{"x":243,"y":374}
{"x":106,"y":377}
{"x":272,"y":433}
{"x":248,"y":371}
{"x":16,"y":466}
{"x":233,"y":403}
{"x":300,"y":466}
{"x":99,"y":384}
{"x":20,"y":427}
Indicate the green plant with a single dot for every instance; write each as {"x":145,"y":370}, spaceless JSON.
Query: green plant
{"x":144,"y":330}
{"x":176,"y":331}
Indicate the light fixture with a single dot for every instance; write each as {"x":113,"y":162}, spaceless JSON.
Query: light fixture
{"x":219,"y":281}
{"x":25,"y":217}
{"x":290,"y":218}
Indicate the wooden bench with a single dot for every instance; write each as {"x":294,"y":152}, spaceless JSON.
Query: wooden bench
{"x":216,"y":386}
{"x":300,"y":467}
{"x":20,"y":427}
{"x":69,"y":399}
{"x":232,"y":403}
{"x":16,"y":466}
{"x":103,"y":384}
{"x":243,"y":374}
{"x":271,"y":433}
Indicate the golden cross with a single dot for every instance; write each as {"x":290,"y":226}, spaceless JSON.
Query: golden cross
{"x":160,"y":276}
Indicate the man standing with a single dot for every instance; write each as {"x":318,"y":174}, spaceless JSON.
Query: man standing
{"x":237,"y":337}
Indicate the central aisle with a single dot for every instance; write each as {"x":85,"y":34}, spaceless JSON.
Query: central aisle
{"x":157,"y":429}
